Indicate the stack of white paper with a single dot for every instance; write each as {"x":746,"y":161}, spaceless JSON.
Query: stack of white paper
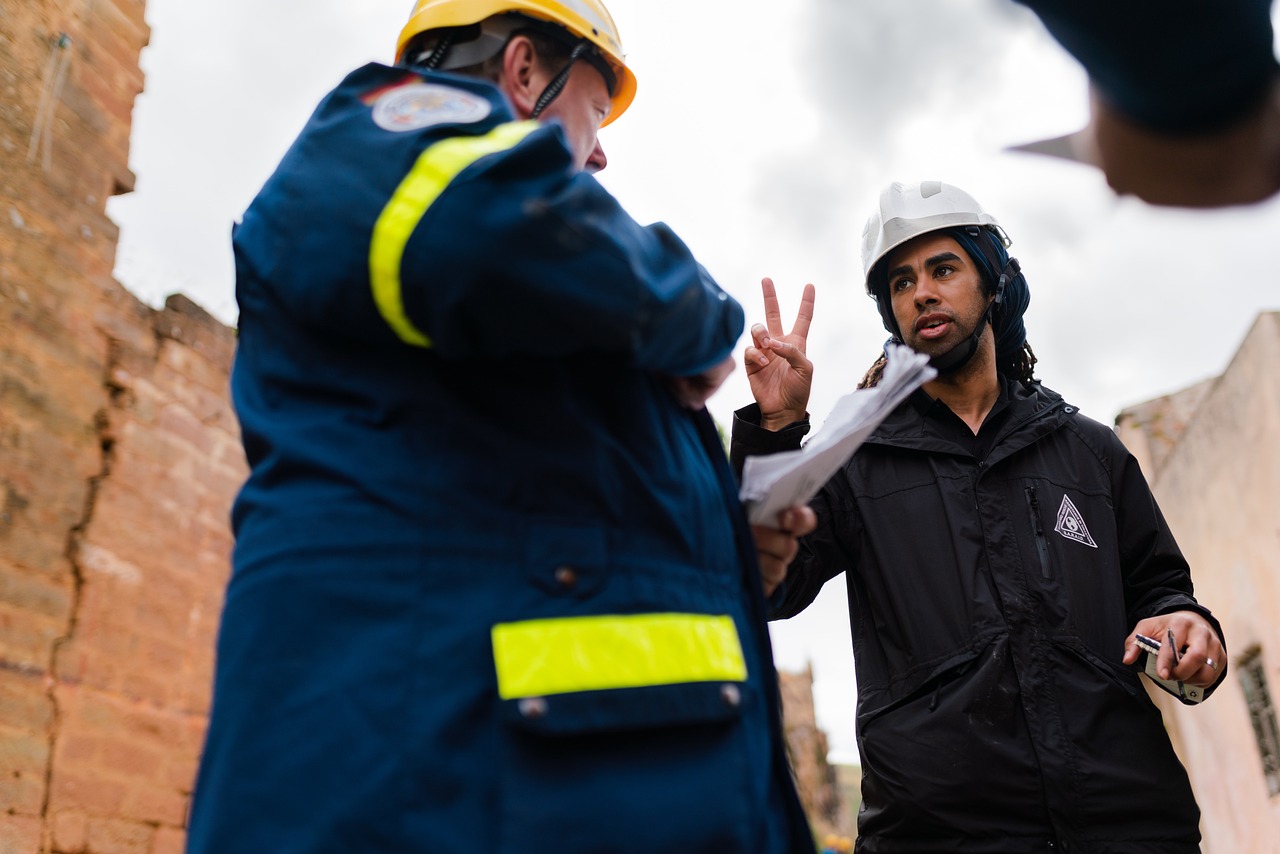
{"x":771,"y":484}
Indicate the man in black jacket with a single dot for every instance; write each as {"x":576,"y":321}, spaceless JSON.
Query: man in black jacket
{"x":1002,"y":553}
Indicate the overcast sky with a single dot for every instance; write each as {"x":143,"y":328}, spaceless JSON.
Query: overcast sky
{"x":762,"y":133}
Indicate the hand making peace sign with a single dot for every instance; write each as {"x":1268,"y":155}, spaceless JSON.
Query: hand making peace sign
{"x":777,"y":368}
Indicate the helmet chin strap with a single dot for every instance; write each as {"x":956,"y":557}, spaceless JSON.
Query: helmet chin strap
{"x":958,"y":356}
{"x":557,"y":83}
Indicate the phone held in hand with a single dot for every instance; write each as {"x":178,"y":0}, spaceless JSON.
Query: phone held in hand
{"x":1147,"y":664}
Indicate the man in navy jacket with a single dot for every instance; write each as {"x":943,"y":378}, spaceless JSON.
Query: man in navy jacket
{"x":493,"y":589}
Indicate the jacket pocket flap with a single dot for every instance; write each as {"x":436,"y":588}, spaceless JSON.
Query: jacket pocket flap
{"x":623,"y":709}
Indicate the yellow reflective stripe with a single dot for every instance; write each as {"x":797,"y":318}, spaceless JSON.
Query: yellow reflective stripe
{"x":435,"y":168}
{"x":541,"y":657}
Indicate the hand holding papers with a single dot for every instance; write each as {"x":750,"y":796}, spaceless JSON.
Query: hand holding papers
{"x":771,"y":484}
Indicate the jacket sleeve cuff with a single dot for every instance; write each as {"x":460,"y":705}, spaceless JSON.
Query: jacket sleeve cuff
{"x":749,"y":439}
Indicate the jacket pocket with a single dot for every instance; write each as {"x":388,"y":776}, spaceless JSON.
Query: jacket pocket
{"x":622,"y":733}
{"x":1037,"y":527}
{"x":926,"y":756}
{"x":1117,"y":674}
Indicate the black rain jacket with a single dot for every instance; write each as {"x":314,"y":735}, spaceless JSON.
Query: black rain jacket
{"x":990,"y":600}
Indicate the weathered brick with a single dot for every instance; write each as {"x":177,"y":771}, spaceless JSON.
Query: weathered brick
{"x":20,"y":834}
{"x":157,"y":804}
{"x":43,"y":596}
{"x":177,"y":422}
{"x":24,"y":756}
{"x":79,"y":750}
{"x":86,"y":662}
{"x":169,"y":840}
{"x":24,"y":703}
{"x":148,"y":688}
{"x":26,"y":639}
{"x":70,"y":830}
{"x":180,"y":774}
{"x":103,"y":566}
{"x":84,"y":789}
{"x":127,"y":328}
{"x":119,"y":836}
{"x":130,"y":759}
{"x":119,"y":448}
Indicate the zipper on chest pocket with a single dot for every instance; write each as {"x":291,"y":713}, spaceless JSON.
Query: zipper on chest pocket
{"x":1042,"y":545}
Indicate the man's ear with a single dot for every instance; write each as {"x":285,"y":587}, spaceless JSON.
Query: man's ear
{"x":521,"y":78}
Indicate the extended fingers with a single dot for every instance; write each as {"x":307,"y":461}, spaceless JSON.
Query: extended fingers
{"x":804,"y":315}
{"x":772,"y":313}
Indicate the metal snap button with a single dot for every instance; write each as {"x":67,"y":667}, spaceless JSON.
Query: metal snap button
{"x":533,"y":708}
{"x":566,"y":577}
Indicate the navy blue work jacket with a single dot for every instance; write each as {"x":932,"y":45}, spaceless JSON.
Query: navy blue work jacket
{"x":493,"y":589}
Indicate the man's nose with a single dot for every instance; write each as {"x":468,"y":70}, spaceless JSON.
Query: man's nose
{"x":925,"y":293}
{"x":597,"y":161}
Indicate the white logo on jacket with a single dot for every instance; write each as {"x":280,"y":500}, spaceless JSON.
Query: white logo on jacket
{"x":1071,"y":524}
{"x":419,"y":105}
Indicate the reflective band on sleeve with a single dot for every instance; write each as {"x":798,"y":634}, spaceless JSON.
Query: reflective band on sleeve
{"x":435,"y":168}
{"x":541,"y":657}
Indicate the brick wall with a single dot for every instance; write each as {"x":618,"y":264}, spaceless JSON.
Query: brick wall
{"x":118,"y":459}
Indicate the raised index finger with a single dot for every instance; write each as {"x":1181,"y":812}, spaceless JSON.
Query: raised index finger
{"x":804,"y":316}
{"x":772,"y":314}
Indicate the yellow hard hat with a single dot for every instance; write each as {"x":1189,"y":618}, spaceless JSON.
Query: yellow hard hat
{"x":586,"y":19}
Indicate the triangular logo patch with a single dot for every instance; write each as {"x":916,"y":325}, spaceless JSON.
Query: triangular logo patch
{"x":1071,"y":524}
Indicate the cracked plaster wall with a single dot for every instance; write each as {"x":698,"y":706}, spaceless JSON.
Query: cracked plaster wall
{"x":1211,"y":455}
{"x":118,"y":460}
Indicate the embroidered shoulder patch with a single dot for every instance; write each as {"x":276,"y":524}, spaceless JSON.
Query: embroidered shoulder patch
{"x":414,"y":106}
{"x":1071,"y":524}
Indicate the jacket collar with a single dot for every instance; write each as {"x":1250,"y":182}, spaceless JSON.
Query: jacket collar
{"x":1032,"y":412}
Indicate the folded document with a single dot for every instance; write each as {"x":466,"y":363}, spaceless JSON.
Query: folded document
{"x":771,"y":484}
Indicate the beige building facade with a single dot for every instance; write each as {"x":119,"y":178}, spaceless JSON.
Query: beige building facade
{"x":1212,"y":455}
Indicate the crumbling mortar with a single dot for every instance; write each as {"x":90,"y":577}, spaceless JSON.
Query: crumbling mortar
{"x":75,"y":536}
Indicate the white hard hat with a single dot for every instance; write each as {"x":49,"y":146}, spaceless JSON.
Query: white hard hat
{"x":910,"y":210}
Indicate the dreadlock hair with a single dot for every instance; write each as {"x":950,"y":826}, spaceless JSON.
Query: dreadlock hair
{"x":875,"y":373}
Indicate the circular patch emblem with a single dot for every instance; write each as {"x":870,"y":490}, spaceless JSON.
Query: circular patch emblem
{"x":420,"y":105}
